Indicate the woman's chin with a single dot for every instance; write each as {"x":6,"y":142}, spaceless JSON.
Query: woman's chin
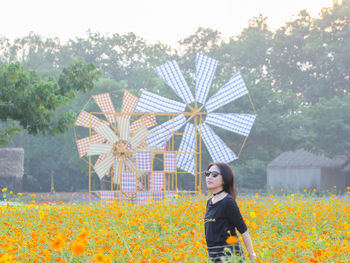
{"x":210,"y":187}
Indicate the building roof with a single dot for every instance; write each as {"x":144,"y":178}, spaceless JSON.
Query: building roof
{"x":303,"y":159}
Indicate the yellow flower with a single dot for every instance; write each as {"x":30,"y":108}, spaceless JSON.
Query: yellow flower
{"x":231,"y":240}
{"x":7,"y":258}
{"x":99,"y":257}
{"x":78,"y":248}
{"x":141,"y":229}
{"x":33,"y":195}
{"x":252,"y":215}
{"x":11,"y":192}
{"x":4,"y":189}
{"x":19,"y":194}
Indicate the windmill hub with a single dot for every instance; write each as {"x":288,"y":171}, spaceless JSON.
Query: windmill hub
{"x":195,"y":112}
{"x":123,"y":148}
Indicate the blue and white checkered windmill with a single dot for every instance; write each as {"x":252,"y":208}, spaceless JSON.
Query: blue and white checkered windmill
{"x":232,"y":90}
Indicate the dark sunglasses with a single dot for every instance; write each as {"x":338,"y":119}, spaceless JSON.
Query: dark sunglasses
{"x":214,"y":173}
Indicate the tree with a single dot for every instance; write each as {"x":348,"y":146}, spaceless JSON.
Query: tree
{"x":33,"y":102}
{"x":311,"y":56}
{"x":325,"y":127}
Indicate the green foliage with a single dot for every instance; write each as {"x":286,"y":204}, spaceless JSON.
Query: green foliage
{"x":35,"y":100}
{"x":7,"y":133}
{"x":325,"y":127}
{"x":311,"y":56}
{"x":250,"y":174}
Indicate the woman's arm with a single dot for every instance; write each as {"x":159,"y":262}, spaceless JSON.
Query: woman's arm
{"x":249,"y":246}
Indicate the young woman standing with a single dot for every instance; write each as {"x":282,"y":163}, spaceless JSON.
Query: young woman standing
{"x":223,"y":217}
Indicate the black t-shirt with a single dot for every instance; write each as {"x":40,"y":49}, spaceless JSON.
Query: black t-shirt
{"x":221,"y":217}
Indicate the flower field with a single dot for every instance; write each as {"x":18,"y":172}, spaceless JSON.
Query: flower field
{"x":300,"y":228}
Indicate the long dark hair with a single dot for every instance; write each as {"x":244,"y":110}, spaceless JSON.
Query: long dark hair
{"x":228,"y":178}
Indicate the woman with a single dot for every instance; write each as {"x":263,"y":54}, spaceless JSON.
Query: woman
{"x":223,"y":217}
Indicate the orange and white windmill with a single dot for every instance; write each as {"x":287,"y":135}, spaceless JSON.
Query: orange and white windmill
{"x":116,"y":140}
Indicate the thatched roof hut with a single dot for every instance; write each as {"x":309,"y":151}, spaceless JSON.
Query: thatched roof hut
{"x":11,"y":168}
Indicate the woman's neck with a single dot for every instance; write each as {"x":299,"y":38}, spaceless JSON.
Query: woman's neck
{"x":217,"y":191}
{"x":217,"y":197}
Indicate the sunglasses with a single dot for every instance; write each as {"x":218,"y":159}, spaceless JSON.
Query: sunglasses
{"x":214,"y":173}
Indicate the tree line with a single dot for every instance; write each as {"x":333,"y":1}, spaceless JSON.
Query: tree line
{"x":298,"y":77}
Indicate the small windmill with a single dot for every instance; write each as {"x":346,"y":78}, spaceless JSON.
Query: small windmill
{"x":116,"y":141}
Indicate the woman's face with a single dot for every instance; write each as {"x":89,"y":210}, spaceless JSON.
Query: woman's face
{"x":214,"y":183}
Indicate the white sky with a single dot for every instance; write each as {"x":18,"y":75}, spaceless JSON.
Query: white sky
{"x":154,"y":20}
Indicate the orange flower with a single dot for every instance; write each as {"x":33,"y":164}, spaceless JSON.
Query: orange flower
{"x":99,"y":257}
{"x":83,"y":234}
{"x":78,"y":248}
{"x":231,"y":240}
{"x":57,"y":243}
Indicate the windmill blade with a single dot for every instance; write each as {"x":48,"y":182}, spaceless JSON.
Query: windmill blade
{"x":148,"y":120}
{"x":129,"y":104}
{"x":139,"y":136}
{"x":130,"y":164}
{"x":171,"y":74}
{"x":83,"y":144}
{"x":107,"y":133}
{"x":232,"y":90}
{"x":118,"y":168}
{"x":101,"y":157}
{"x":237,"y":123}
{"x":162,"y":133}
{"x":123,"y":126}
{"x":217,"y":149}
{"x":105,"y":104}
{"x":103,"y":167}
{"x":186,"y":161}
{"x":96,"y":149}
{"x":88,"y":120}
{"x":205,"y":70}
{"x":150,"y":102}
